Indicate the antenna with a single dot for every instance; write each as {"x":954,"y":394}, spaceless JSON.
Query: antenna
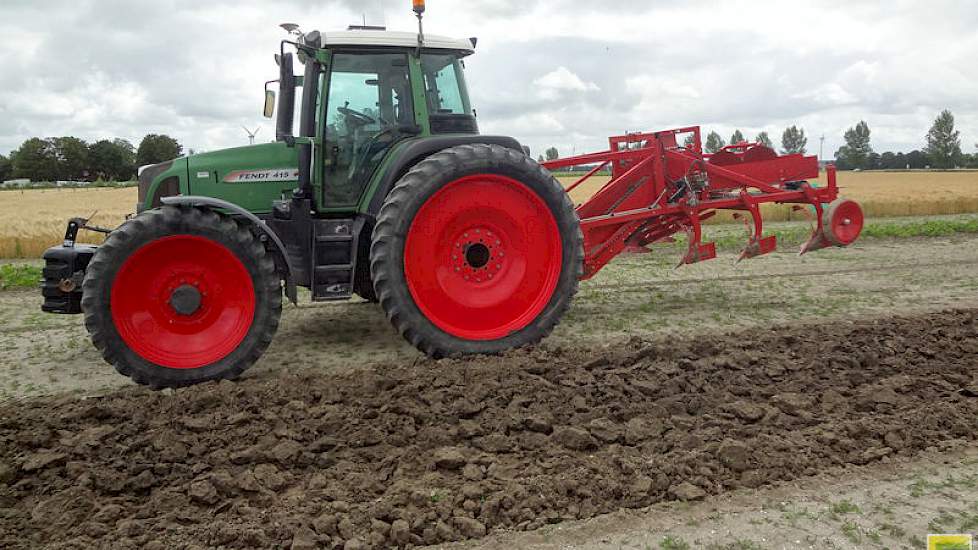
{"x":418,"y":6}
{"x":251,"y":134}
{"x":291,"y":28}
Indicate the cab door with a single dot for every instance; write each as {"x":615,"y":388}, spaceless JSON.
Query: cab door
{"x":368,"y":110}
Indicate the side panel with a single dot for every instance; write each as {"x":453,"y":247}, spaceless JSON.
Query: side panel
{"x":409,"y":153}
{"x":251,"y":177}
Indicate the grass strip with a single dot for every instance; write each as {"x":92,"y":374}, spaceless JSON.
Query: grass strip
{"x":16,"y":276}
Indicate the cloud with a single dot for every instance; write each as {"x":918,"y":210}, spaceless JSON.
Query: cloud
{"x":561,"y":82}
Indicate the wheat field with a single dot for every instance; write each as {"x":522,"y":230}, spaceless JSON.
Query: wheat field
{"x":33,"y":220}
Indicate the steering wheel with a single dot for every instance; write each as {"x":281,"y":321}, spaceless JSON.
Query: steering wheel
{"x":361,"y":119}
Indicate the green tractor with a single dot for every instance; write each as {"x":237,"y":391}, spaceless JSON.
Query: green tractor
{"x":387,"y":191}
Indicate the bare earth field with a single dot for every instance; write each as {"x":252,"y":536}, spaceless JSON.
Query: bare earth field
{"x":828,"y":401}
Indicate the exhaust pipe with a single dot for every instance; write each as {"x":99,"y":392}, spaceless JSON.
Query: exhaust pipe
{"x":286,"y":99}
{"x":307,"y":124}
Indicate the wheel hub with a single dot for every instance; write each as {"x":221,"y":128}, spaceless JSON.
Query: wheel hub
{"x":477,"y":255}
{"x":185,"y":300}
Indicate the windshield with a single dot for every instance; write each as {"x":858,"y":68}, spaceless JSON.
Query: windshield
{"x":445,"y":85}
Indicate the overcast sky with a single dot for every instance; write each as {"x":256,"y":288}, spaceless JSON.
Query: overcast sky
{"x":558,"y":72}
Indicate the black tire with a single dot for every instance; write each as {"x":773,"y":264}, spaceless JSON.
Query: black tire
{"x":169,"y":221}
{"x":399,"y":210}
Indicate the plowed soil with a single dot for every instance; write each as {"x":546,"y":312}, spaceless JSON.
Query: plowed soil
{"x":400,"y":455}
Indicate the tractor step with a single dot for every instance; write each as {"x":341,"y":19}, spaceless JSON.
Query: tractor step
{"x":334,"y":258}
{"x":334,"y":238}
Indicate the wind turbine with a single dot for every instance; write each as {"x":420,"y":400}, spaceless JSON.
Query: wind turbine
{"x":251,"y":135}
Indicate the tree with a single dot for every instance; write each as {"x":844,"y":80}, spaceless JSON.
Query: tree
{"x":72,"y":156}
{"x":129,"y":154}
{"x":552,"y":154}
{"x":764,"y":139}
{"x":112,"y":160}
{"x":857,"y":151}
{"x":943,"y":141}
{"x":874,"y":161}
{"x":156,"y":148}
{"x":889,"y":161}
{"x":36,"y":160}
{"x":793,"y":141}
{"x":713,"y":142}
{"x":917,"y":159}
{"x":5,"y":168}
{"x":541,"y":159}
{"x":689,"y":141}
{"x":737,"y":137}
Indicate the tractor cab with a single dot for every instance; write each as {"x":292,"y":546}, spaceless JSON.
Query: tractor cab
{"x":364,"y":92}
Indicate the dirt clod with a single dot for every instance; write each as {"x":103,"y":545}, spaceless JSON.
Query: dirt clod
{"x":687,"y":491}
{"x":574,"y":438}
{"x":734,"y":455}
{"x":400,"y":532}
{"x":747,"y":411}
{"x":449,"y":459}
{"x":304,"y":539}
{"x":432,"y":452}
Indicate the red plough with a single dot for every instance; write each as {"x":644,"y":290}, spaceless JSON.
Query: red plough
{"x":659,"y":188}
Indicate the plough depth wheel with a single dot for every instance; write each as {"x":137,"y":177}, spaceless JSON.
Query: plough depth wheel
{"x":842,"y":222}
{"x":476,"y":250}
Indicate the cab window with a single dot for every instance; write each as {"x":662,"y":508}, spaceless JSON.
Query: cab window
{"x":445,"y":85}
{"x":368,"y":103}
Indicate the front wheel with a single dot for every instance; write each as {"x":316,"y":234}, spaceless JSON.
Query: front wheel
{"x":181,"y":295}
{"x":477,"y":249}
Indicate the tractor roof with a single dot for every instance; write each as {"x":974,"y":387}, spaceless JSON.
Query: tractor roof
{"x":395,"y":39}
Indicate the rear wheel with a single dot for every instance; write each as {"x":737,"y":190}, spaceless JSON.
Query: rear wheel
{"x":477,"y":249}
{"x":181,"y":295}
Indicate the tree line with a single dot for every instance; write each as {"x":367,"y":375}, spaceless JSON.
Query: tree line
{"x":942,"y":149}
{"x":72,"y":159}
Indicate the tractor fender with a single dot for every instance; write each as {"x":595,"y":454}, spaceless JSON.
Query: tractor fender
{"x":282,"y":258}
{"x":419,"y":149}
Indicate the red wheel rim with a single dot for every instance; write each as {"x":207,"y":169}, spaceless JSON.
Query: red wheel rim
{"x":845,"y":222}
{"x":482,"y":257}
{"x":149,"y":322}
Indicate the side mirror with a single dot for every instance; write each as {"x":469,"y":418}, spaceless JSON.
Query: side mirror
{"x":269,"y":103}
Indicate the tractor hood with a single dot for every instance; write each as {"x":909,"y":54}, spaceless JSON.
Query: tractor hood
{"x":156,"y":181}
{"x":252,"y":177}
